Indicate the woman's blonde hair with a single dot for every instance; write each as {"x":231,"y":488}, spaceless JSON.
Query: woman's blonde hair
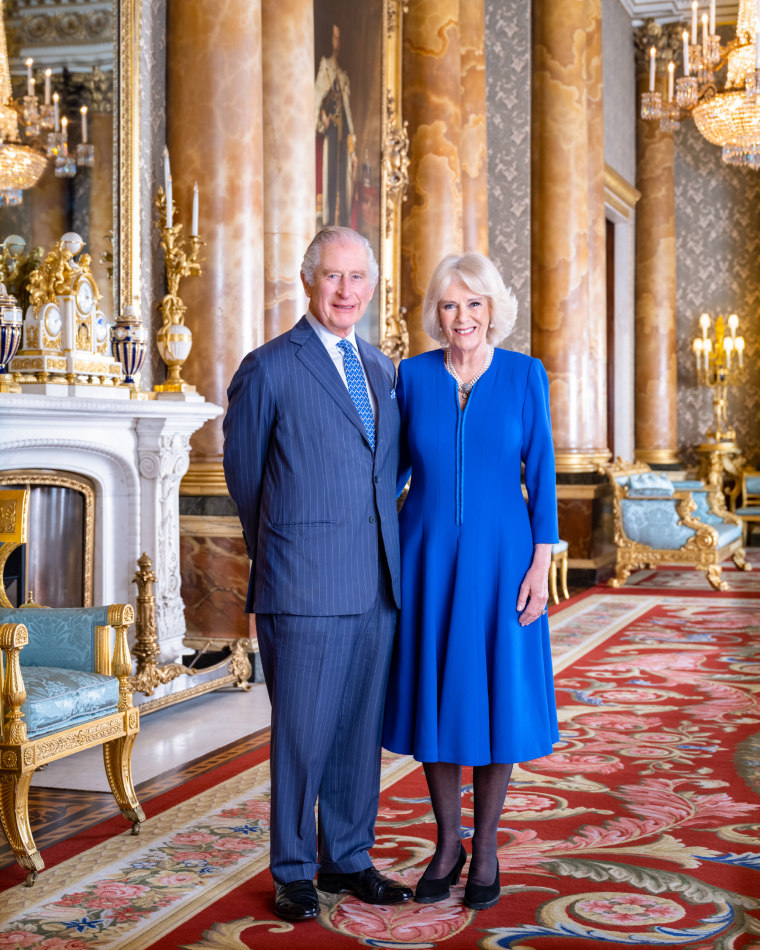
{"x":481,"y":277}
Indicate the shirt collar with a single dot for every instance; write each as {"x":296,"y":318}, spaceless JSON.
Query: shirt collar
{"x":328,"y":337}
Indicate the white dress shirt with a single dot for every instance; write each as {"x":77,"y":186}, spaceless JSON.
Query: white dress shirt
{"x":330,"y":341}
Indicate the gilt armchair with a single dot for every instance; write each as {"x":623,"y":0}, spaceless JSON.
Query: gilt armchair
{"x":65,"y":687}
{"x":749,"y":507}
{"x":659,"y":521}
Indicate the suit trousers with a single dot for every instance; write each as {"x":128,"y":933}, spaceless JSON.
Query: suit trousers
{"x":326,"y":678}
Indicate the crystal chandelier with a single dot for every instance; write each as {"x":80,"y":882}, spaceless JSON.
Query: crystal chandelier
{"x":727,"y":116}
{"x":20,"y":165}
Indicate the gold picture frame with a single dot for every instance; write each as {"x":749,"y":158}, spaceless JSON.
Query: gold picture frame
{"x":362,"y":144}
{"x":126,"y":189}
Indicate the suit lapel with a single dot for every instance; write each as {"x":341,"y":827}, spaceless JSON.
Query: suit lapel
{"x":312,"y":353}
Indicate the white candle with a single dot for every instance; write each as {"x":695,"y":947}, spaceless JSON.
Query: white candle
{"x":712,"y":17}
{"x":694,"y":23}
{"x":167,"y":169}
{"x":169,"y":213}
{"x":651,"y":69}
{"x":48,"y":73}
{"x":671,"y":72}
{"x":704,"y":36}
{"x":757,"y":58}
{"x":686,"y":69}
{"x":83,"y":110}
{"x":29,"y":77}
{"x":194,"y":228}
{"x":55,"y":113}
{"x":740,"y":349}
{"x":64,"y":127}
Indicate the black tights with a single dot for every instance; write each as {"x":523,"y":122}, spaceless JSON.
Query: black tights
{"x":490,"y":783}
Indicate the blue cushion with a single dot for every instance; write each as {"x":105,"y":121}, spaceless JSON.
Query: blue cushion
{"x":559,"y":547}
{"x":751,"y":511}
{"x":689,"y":484}
{"x":654,"y":522}
{"x":727,"y":533}
{"x":647,"y":484}
{"x":58,"y":699}
{"x":63,"y":637}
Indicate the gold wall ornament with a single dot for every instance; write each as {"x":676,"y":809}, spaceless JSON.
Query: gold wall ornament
{"x":174,"y":340}
{"x":394,"y":336}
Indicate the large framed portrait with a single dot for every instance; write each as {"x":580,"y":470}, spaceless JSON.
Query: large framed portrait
{"x":361,"y":147}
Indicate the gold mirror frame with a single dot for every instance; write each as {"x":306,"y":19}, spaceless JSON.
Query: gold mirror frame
{"x":126,"y":251}
{"x":394,"y":335}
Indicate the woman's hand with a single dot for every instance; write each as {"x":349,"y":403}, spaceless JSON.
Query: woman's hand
{"x":534,"y":590}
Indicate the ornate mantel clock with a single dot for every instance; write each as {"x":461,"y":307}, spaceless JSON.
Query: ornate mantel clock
{"x":65,"y":334}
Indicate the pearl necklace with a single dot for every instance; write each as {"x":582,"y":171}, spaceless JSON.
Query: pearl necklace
{"x":466,"y":388}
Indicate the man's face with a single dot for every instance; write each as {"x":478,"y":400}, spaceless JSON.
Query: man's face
{"x":342,"y":287}
{"x":336,"y":40}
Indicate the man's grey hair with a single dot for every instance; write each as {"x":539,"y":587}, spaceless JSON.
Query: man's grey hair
{"x":481,"y":277}
{"x":334,"y":235}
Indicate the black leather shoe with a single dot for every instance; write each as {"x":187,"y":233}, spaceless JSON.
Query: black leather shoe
{"x":368,"y":885}
{"x":433,"y":889}
{"x":481,"y":896}
{"x":296,"y":900}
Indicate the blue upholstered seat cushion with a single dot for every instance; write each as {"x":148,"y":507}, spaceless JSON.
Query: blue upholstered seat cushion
{"x":751,"y":511}
{"x":689,"y":484}
{"x":559,"y":547}
{"x":648,"y":484}
{"x":63,"y":637}
{"x":655,"y":522}
{"x":59,"y":699}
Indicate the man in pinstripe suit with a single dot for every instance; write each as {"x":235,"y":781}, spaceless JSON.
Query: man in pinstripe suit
{"x":310,"y":457}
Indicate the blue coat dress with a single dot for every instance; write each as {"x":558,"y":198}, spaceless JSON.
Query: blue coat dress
{"x":467,"y":683}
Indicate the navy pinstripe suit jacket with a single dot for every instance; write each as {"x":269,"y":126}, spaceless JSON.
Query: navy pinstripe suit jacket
{"x":318,"y":509}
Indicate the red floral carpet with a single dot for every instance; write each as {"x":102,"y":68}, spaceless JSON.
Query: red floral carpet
{"x":642,"y":829}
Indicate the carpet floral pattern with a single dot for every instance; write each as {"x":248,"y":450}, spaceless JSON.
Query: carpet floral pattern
{"x":641,"y":829}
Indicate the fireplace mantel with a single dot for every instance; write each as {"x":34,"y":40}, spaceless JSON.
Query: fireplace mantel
{"x":135,"y":453}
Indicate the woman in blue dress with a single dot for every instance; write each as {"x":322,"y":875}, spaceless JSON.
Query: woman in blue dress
{"x":471,"y":676}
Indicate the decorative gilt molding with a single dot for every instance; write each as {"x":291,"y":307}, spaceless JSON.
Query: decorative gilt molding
{"x":204,"y":478}
{"x":394,"y":336}
{"x":75,"y":483}
{"x":619,"y":194}
{"x":126,"y":251}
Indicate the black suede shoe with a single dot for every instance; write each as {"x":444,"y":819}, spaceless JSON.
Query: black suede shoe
{"x":296,"y":900}
{"x":482,"y":896}
{"x":368,"y":885}
{"x":433,"y":889}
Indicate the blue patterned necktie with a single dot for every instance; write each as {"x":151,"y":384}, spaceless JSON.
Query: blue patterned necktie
{"x":357,"y":389}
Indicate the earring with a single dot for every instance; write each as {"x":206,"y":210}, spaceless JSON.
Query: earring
{"x":490,"y":324}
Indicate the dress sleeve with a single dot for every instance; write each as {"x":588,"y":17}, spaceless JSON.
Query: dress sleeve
{"x":538,"y":455}
{"x":404,"y":458}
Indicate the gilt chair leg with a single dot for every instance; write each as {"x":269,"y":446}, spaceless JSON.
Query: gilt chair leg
{"x":563,"y":575}
{"x":740,"y":561}
{"x":622,"y":571}
{"x":553,"y":581}
{"x":713,"y":574}
{"x":117,"y":757}
{"x":14,"y":810}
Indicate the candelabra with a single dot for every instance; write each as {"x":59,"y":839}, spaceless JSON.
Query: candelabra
{"x":720,"y":360}
{"x":174,"y":340}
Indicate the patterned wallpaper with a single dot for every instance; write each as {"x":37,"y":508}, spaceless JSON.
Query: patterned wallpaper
{"x":717,"y":254}
{"x":508,"y":112}
{"x":619,"y":90}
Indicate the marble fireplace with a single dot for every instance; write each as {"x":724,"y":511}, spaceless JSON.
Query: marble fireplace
{"x":134,"y":453}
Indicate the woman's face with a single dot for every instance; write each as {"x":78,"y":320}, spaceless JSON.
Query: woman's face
{"x":464,"y":317}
